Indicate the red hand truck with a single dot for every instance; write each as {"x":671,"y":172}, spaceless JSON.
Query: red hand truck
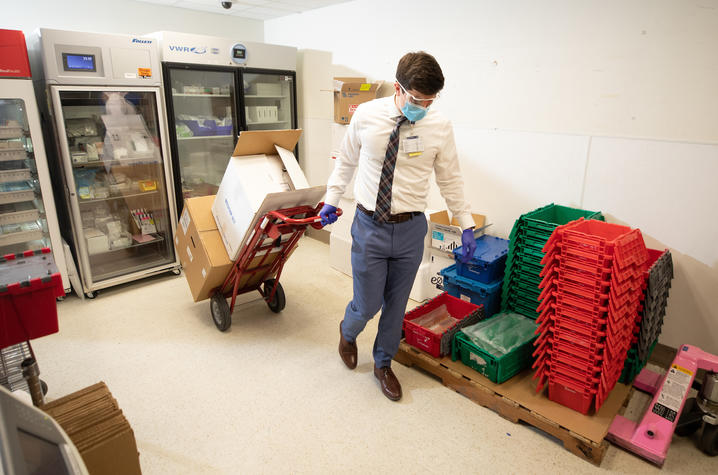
{"x":260,"y":263}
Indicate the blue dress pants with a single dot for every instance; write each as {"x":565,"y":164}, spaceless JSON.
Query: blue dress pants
{"x":385,"y":259}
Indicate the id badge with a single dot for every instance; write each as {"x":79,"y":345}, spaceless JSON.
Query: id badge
{"x":412,"y":146}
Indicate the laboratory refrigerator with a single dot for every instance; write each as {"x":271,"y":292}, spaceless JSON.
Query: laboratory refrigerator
{"x":105,"y":104}
{"x":28,"y":219}
{"x":215,"y":88}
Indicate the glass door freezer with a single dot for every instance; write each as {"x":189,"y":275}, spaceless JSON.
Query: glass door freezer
{"x":28,"y":219}
{"x":118,"y":181}
{"x":208,"y":106}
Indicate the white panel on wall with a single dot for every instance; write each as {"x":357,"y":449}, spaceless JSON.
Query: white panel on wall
{"x":507,"y":173}
{"x":668,"y":190}
{"x":637,"y":68}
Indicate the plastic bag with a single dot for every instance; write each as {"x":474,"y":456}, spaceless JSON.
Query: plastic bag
{"x":436,"y":321}
{"x":502,"y":333}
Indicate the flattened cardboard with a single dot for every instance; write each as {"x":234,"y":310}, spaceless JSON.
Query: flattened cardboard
{"x":262,"y":142}
{"x":522,"y":390}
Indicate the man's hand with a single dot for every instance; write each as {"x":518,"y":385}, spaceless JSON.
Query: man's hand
{"x":468,"y":245}
{"x":329,"y":215}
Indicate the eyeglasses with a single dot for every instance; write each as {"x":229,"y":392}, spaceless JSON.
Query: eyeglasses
{"x":416,"y":100}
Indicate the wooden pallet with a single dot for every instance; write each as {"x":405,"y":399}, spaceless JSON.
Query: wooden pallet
{"x":516,"y":400}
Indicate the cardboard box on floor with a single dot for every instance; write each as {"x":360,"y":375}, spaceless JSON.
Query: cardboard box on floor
{"x":445,"y":233}
{"x":202,"y":253}
{"x":349,"y":93}
{"x":263,"y":175}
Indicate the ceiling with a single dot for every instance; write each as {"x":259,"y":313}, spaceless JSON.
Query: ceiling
{"x":254,"y":9}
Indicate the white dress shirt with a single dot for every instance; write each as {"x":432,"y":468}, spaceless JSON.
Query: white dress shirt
{"x":365,"y":146}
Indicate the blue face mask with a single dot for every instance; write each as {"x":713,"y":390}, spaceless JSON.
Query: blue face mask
{"x":413,"y":112}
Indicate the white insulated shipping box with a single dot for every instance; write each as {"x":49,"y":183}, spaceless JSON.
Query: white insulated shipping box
{"x":263,"y":175}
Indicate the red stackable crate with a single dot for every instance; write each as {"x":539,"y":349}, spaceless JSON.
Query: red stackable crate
{"x":568,"y":396}
{"x":423,"y":338}
{"x":29,"y":287}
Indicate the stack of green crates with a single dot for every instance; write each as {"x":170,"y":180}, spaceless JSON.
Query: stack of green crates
{"x":520,"y":292}
{"x":633,"y":364}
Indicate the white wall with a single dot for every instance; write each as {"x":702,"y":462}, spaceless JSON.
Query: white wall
{"x":603,"y":105}
{"x":123,"y":16}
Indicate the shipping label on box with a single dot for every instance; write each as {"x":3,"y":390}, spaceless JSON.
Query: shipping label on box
{"x":445,"y":233}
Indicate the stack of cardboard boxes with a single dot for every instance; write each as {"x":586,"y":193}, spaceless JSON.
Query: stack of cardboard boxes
{"x":95,"y":424}
{"x":262,"y":175}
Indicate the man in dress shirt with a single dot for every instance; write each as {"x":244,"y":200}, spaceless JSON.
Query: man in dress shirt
{"x":388,"y":243}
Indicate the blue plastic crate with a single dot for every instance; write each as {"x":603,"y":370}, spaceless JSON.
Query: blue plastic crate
{"x":488,"y":262}
{"x":488,"y":295}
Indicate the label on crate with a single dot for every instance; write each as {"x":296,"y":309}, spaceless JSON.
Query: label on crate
{"x":465,"y":298}
{"x":189,"y":254}
{"x":675,"y":387}
{"x":477,"y":359}
{"x":204,"y":273}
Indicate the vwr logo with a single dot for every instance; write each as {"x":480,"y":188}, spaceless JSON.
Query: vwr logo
{"x":187,"y":49}
{"x":142,"y":42}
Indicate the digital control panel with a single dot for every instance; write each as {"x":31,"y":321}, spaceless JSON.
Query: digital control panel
{"x":79,"y":62}
{"x":239,"y":53}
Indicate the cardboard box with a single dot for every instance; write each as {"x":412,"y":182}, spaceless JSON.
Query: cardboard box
{"x":263,"y":175}
{"x":349,"y":93}
{"x":445,"y":233}
{"x":438,"y":260}
{"x":200,"y":248}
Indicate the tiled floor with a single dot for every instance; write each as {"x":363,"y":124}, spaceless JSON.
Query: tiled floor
{"x":272,"y":396}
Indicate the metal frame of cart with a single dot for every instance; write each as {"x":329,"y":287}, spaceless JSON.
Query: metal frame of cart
{"x":260,"y":263}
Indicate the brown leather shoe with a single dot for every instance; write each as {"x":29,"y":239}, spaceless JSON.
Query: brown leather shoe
{"x":389,"y":384}
{"x":347,"y":350}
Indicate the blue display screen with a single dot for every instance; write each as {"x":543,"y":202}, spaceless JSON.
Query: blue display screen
{"x":79,"y":62}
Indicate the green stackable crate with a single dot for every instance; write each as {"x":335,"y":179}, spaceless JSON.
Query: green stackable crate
{"x":497,"y":369}
{"x":633,"y":366}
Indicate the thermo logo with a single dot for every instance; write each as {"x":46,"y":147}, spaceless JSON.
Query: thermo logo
{"x":143,"y":42}
{"x":188,"y":49}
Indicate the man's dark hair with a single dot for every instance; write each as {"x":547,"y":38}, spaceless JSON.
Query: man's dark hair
{"x":420,"y":71}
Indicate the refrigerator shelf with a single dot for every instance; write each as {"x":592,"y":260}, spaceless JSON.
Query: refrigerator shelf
{"x":254,"y":96}
{"x":7,"y":155}
{"x":28,"y":232}
{"x":8,"y":176}
{"x":206,"y":137}
{"x":200,"y":95}
{"x":271,"y":122}
{"x":11,"y":132}
{"x":18,"y":213}
{"x":134,"y":245}
{"x":7,"y":197}
{"x":117,"y":197}
{"x":113,"y":163}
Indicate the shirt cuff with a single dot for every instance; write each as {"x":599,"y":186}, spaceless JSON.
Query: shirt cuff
{"x":332,"y":199}
{"x":466,"y":221}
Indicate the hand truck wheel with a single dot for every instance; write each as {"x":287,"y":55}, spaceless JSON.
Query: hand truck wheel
{"x":279,"y":300}
{"x":709,"y":439}
{"x":691,"y":419}
{"x":220,"y":312}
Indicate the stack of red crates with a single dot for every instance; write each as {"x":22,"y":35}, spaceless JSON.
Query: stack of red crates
{"x":593,"y":282}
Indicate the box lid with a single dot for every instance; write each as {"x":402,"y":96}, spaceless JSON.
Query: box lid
{"x":489,"y":249}
{"x":257,"y":142}
{"x":200,"y":210}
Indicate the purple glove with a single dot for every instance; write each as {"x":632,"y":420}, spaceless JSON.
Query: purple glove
{"x":468,"y":245}
{"x":329,"y":215}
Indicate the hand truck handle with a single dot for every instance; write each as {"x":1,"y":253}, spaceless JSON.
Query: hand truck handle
{"x":310,"y":220}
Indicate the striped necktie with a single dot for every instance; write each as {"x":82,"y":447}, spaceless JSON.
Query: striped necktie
{"x":382,"y":211}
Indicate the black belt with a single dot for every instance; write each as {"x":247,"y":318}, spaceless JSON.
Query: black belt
{"x":393,"y":218}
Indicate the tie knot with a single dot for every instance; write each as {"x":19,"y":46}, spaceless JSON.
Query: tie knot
{"x":400,"y":120}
